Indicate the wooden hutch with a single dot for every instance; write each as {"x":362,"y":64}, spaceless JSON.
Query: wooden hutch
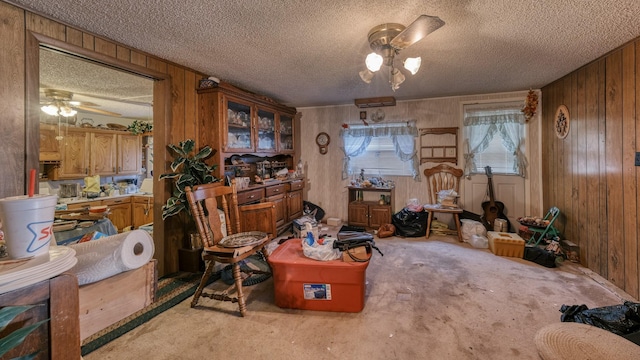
{"x":253,"y":135}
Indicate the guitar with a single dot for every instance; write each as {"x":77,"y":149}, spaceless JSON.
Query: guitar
{"x":492,"y":209}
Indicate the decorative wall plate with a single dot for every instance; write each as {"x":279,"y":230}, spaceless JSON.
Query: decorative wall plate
{"x":377,"y":115}
{"x":561,"y":123}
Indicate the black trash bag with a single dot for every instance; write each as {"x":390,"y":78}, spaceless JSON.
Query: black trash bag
{"x":618,"y":319}
{"x":410,"y":223}
{"x":311,"y":209}
{"x":540,"y":256}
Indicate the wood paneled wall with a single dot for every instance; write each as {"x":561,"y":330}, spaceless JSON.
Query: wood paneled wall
{"x":591,"y":174}
{"x":176,"y":99}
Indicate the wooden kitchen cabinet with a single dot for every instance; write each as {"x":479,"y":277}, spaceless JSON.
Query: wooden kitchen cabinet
{"x":286,"y":196}
{"x":74,"y":163}
{"x":120,"y":212}
{"x":87,"y":152}
{"x":129,"y":154}
{"x":83,"y":205}
{"x":142,"y":210}
{"x":276,"y":194}
{"x":103,"y":154}
{"x":295,"y":204}
{"x":49,"y":145}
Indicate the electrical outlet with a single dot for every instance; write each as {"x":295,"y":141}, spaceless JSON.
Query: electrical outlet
{"x":638,"y":159}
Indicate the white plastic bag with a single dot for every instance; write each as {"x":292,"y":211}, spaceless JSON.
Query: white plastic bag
{"x":471,"y":227}
{"x":323,"y":252}
{"x":479,"y":241}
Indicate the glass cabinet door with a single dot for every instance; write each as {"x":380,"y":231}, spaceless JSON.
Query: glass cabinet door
{"x":286,"y":134}
{"x":266,"y":124}
{"x":238,"y":126}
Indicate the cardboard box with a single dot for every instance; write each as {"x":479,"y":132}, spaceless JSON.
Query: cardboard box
{"x":506,"y":244}
{"x":359,"y":253}
{"x":300,"y":227}
{"x":303,"y":283}
{"x":334,"y":222}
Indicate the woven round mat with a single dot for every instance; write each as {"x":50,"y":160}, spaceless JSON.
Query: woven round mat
{"x":576,"y":341}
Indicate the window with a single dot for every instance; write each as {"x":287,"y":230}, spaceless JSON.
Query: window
{"x":494,"y":134}
{"x":380,"y":150}
{"x":380,"y":159}
{"x":496,"y":156}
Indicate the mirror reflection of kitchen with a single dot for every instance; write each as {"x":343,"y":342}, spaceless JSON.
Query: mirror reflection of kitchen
{"x":79,"y":161}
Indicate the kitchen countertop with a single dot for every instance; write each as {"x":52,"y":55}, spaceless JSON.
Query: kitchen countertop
{"x":81,"y":200}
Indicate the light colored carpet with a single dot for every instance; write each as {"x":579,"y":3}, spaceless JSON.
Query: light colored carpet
{"x":425,"y":299}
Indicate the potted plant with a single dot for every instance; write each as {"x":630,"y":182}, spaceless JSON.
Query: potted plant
{"x":188,"y":169}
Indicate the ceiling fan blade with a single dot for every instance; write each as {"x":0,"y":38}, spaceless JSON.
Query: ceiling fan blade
{"x":421,"y":27}
{"x":97,"y":111}
{"x":82,"y":103}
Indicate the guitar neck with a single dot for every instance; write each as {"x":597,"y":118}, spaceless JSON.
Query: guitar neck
{"x":491,"y":198}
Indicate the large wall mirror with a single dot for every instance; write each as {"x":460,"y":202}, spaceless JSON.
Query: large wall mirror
{"x":92,"y":91}
{"x":78,"y":93}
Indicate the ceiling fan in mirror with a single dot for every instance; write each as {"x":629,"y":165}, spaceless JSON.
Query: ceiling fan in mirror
{"x":60,"y":103}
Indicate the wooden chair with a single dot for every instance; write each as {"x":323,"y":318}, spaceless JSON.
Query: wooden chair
{"x":203,"y":202}
{"x":443,"y":177}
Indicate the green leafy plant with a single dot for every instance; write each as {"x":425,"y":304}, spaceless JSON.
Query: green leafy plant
{"x":7,"y":314}
{"x":140,"y":127}
{"x":189,"y":169}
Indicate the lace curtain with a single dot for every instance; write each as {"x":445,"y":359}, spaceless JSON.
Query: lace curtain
{"x":483,"y":121}
{"x":356,"y":138}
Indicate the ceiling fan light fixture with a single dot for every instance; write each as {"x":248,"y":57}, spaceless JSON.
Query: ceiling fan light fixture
{"x":67,"y":111}
{"x":373,"y":62}
{"x":387,"y":40}
{"x":413,"y":64}
{"x":366,"y":75}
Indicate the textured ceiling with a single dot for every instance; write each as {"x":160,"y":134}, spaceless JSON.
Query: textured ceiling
{"x":309,"y":52}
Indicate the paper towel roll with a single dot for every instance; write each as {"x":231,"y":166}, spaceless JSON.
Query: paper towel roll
{"x":108,"y":256}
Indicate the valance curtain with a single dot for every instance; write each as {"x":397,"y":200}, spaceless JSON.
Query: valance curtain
{"x":356,"y":138}
{"x":483,"y":121}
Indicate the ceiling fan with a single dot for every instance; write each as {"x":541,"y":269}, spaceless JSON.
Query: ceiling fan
{"x":387,"y":40}
{"x":60,"y":102}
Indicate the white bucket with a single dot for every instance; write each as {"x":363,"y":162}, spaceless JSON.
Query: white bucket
{"x":27,"y":223}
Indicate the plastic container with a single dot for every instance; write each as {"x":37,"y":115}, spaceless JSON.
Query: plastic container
{"x":303,"y":283}
{"x":506,"y":244}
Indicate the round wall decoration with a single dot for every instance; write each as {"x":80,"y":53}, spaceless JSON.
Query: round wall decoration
{"x":561,"y":122}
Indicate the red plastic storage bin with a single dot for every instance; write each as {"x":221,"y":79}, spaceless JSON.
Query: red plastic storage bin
{"x":304,"y":283}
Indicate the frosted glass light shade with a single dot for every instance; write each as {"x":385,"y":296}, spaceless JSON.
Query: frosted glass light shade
{"x":397,"y":78}
{"x":373,"y":62}
{"x":50,"y":109}
{"x":67,"y":111}
{"x":413,"y":64}
{"x":366,"y":75}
